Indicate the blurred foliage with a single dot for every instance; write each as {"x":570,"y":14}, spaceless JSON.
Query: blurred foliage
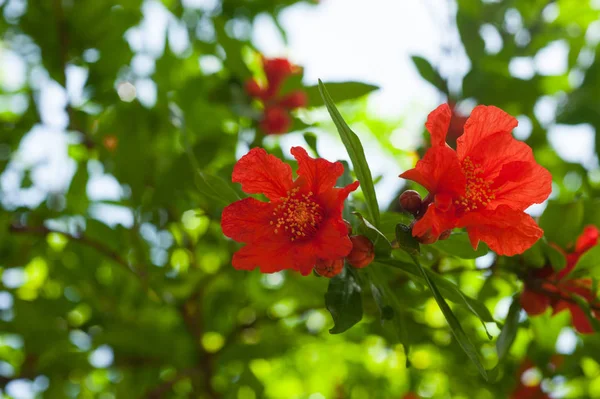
{"x":116,"y":280}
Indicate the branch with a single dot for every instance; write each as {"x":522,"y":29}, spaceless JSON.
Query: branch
{"x":62,"y":33}
{"x":98,"y":246}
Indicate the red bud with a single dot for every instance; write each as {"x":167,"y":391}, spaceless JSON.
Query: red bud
{"x":410,"y":201}
{"x":362,"y":253}
{"x":329,"y":268}
{"x":445,"y":234}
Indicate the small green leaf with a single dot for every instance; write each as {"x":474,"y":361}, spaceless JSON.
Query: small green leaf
{"x":341,"y":91}
{"x":562,"y":223}
{"x":509,"y":331}
{"x":311,"y":140}
{"x":458,"y":245}
{"x":554,"y":256}
{"x":455,"y":327}
{"x":588,"y":263}
{"x":216,"y":189}
{"x":357,"y":155}
{"x":448,"y":288}
{"x":344,"y":301}
{"x":406,"y":241}
{"x":534,"y":256}
{"x":380,"y":241}
{"x":429,"y":73}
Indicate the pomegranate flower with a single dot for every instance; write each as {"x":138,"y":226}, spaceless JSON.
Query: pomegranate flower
{"x":484,"y":186}
{"x":301,"y":224}
{"x":546,"y":288}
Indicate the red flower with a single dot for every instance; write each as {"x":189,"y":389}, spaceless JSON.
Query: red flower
{"x":484,"y":186}
{"x":300,"y":225}
{"x":276,"y":118}
{"x":545,"y":288}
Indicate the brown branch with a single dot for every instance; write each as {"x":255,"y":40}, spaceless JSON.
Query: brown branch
{"x":62,"y":32}
{"x":98,"y":246}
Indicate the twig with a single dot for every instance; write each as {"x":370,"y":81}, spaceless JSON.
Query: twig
{"x":98,"y":246}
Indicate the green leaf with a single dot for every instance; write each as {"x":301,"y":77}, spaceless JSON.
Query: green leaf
{"x":588,"y":264}
{"x":390,"y":307}
{"x":448,"y":288}
{"x":380,"y":241}
{"x":455,"y":327}
{"x":357,"y":155}
{"x":458,"y":245}
{"x":216,"y":189}
{"x":562,"y":223}
{"x":509,"y":331}
{"x":406,"y":241}
{"x":428,"y":72}
{"x":311,"y":140}
{"x":341,"y":91}
{"x":555,"y":257}
{"x":534,"y":256}
{"x":344,"y":301}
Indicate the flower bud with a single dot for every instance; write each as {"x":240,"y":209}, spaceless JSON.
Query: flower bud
{"x":427,"y":238}
{"x":110,"y":142}
{"x":410,"y":201}
{"x":329,"y":268}
{"x":445,"y":235}
{"x":362,"y":253}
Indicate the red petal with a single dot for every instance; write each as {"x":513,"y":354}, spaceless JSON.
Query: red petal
{"x":247,"y":220}
{"x":268,"y":258}
{"x":433,"y":223}
{"x":534,"y":303}
{"x":483,"y":122}
{"x":580,"y":320}
{"x":587,"y":239}
{"x":437,"y":124}
{"x":260,"y":172}
{"x":438,"y":171}
{"x":320,"y":174}
{"x":509,"y":163}
{"x":331,"y":241}
{"x":505,"y":230}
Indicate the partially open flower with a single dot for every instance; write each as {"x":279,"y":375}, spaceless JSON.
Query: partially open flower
{"x":362,"y":253}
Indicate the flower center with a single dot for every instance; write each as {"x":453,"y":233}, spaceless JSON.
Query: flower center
{"x":298,"y":215}
{"x":478,"y":193}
